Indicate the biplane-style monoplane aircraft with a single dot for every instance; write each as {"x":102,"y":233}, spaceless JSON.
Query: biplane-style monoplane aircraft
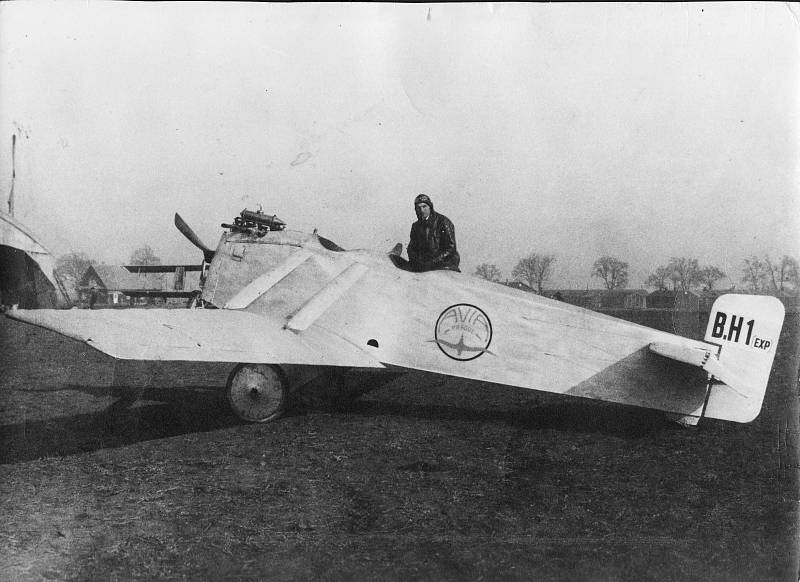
{"x":288,"y":308}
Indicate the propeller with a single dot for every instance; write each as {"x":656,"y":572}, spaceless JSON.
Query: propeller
{"x":186,"y":230}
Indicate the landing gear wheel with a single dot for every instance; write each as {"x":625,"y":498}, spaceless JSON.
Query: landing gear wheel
{"x":257,"y":392}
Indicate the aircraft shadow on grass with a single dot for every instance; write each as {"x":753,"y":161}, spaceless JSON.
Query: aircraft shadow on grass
{"x":169,"y":412}
{"x":163,"y":413}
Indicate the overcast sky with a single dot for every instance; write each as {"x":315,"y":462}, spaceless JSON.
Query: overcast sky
{"x":641,"y":131}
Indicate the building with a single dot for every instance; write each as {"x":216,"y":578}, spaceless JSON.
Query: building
{"x":789,"y":297}
{"x":581,"y":298}
{"x":602,"y":298}
{"x":622,"y":299}
{"x":114,"y":285}
{"x":707,"y":297}
{"x":676,"y":300}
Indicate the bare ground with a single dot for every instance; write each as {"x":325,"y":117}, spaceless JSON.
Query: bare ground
{"x":426,"y":478}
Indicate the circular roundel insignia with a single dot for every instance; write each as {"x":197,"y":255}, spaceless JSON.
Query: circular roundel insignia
{"x":463,"y":332}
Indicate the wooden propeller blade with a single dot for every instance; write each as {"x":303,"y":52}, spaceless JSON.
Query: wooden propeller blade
{"x":186,"y":230}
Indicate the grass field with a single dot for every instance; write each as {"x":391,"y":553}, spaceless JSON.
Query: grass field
{"x":426,"y":478}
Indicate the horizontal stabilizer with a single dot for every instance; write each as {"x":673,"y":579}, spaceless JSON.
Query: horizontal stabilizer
{"x":703,"y":358}
{"x":688,"y":355}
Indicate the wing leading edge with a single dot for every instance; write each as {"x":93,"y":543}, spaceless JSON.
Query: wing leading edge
{"x":207,"y":335}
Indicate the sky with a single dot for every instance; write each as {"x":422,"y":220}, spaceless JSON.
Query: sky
{"x":641,"y":131}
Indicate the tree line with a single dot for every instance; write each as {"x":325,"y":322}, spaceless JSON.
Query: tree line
{"x":758,"y":274}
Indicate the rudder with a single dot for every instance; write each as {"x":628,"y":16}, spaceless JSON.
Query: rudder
{"x":746,"y":328}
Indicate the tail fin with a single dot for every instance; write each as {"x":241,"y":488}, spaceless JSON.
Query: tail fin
{"x":747,"y":328}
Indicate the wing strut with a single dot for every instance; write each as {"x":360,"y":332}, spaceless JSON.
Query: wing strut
{"x":326,"y":297}
{"x":265,"y":282}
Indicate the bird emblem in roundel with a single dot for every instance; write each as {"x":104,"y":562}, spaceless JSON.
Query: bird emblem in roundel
{"x":463,"y":332}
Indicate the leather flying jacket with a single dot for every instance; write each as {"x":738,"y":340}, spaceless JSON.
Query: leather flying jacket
{"x":433,"y":244}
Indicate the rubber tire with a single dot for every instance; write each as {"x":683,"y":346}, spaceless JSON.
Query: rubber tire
{"x":257,"y":392}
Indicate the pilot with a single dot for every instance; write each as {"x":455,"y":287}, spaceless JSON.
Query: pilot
{"x":433,"y":239}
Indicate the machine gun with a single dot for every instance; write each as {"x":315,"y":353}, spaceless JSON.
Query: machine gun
{"x":256,"y":223}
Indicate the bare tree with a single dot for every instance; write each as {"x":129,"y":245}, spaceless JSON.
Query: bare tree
{"x":488,"y":271}
{"x":781,"y":272}
{"x":685,"y":273}
{"x":73,"y":266}
{"x":612,"y":271}
{"x":144,"y":256}
{"x":535,"y":270}
{"x":659,"y":278}
{"x":710,"y":275}
{"x":754,"y":273}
